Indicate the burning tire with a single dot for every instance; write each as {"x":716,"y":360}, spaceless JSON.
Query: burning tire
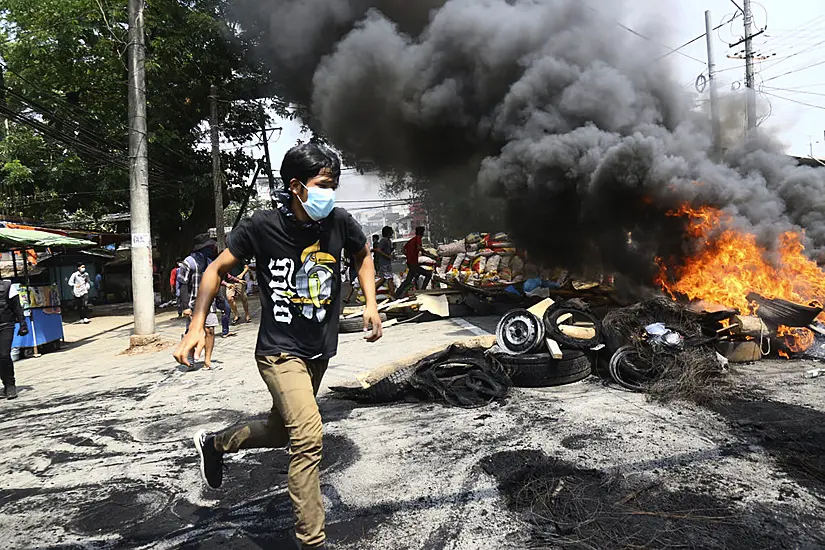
{"x":540,"y":370}
{"x":346,"y":326}
{"x":519,"y":332}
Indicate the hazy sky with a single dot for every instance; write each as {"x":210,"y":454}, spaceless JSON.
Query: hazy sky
{"x":793,"y":44}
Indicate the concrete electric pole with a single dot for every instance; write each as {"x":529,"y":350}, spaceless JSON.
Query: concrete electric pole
{"x":749,"y":80}
{"x":143,"y":296}
{"x":216,"y":167}
{"x":714,"y":98}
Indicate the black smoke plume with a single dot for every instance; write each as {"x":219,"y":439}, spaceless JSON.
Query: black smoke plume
{"x":549,"y":105}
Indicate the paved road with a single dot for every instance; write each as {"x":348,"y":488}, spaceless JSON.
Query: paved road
{"x":97,"y":453}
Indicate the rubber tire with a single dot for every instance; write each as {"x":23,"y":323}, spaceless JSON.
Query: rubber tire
{"x":551,"y":328}
{"x":391,"y":387}
{"x":348,"y":326}
{"x":540,"y":370}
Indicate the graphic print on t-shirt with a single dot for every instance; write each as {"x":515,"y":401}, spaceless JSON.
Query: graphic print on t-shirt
{"x":310,"y":293}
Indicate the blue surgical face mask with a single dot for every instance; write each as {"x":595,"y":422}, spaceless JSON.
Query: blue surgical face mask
{"x":320,"y":202}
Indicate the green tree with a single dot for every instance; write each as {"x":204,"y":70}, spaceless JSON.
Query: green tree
{"x":64,"y":65}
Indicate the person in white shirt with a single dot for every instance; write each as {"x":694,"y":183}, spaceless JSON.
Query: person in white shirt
{"x":81,"y":283}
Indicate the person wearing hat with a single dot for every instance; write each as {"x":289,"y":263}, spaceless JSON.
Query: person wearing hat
{"x":189,"y":279}
{"x":297,"y":246}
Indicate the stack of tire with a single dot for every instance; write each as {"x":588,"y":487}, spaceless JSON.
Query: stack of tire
{"x":521,"y":337}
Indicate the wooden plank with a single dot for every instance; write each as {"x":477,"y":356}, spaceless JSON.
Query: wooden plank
{"x":580,"y":333}
{"x":564,"y":318}
{"x":554,"y":348}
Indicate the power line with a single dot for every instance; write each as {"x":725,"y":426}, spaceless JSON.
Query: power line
{"x":795,"y":71}
{"x":793,"y":55}
{"x":795,"y":91}
{"x":640,"y":35}
{"x":795,"y":101}
{"x":701,"y":36}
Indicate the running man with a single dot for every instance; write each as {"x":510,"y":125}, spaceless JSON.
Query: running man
{"x":413,"y":250}
{"x":297,"y":248}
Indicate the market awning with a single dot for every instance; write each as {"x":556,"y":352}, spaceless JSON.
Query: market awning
{"x":29,"y":238}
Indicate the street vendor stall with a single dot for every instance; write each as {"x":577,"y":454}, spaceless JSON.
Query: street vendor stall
{"x":41,"y":303}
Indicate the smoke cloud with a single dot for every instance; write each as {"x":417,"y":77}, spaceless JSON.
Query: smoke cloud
{"x":548,"y":105}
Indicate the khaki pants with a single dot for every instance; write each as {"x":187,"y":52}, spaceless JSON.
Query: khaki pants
{"x":294,"y":420}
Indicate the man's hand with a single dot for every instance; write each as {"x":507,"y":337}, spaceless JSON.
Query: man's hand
{"x":194,"y":339}
{"x":24,"y":330}
{"x":372,"y":317}
{"x":187,"y":312}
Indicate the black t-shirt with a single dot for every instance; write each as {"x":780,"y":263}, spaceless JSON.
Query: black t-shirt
{"x":299,"y":278}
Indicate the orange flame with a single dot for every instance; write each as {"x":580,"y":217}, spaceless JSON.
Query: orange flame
{"x":730,"y":264}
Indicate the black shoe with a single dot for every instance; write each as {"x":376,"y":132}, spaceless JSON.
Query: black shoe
{"x":211,"y":459}
{"x":10,"y":392}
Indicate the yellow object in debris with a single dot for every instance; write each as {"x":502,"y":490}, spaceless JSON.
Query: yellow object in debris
{"x":539,"y":309}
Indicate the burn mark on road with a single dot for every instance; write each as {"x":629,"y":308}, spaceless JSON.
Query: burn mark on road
{"x":792,"y":434}
{"x":574,"y":507}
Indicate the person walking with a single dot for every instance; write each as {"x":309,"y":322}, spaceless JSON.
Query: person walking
{"x":11,"y":312}
{"x":250,"y":278}
{"x":174,"y":285}
{"x":235,"y":290}
{"x":191,"y":272}
{"x":222,"y":305}
{"x":81,"y":283}
{"x":297,"y":247}
{"x":101,"y":295}
{"x":413,"y":250}
{"x":375,"y":239}
{"x":384,"y":255}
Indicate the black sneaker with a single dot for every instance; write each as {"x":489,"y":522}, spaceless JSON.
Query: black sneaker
{"x":11,"y":392}
{"x":211,"y":459}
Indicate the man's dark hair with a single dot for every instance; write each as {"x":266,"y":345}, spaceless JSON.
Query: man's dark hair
{"x":80,"y":264}
{"x":419,"y":231}
{"x":304,"y":162}
{"x":375,"y":237}
{"x":387,"y":231}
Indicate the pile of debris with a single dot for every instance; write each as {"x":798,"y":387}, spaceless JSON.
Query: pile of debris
{"x":660,"y":347}
{"x":773,"y":327}
{"x":492,"y":260}
{"x":657,"y":346}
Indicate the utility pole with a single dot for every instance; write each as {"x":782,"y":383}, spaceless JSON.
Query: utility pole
{"x":268,"y":166}
{"x":714,"y":98}
{"x":216,"y":167}
{"x":749,"y":80}
{"x":142,"y":293}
